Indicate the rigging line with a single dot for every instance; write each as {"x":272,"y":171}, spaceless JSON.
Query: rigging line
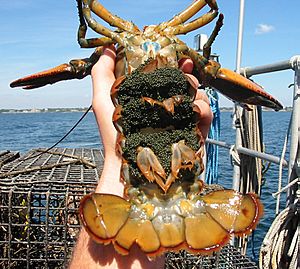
{"x":60,"y":140}
{"x":283,"y":152}
{"x":214,"y":133}
{"x":281,"y":242}
{"x":289,"y":185}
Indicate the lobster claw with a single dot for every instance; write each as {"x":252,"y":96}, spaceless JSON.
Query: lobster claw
{"x":74,"y":69}
{"x":238,"y":88}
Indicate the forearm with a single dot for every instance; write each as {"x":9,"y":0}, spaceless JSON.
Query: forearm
{"x":88,"y":254}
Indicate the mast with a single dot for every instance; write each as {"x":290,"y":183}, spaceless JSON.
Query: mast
{"x":237,"y":109}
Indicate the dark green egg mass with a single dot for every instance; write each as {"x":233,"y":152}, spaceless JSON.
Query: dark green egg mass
{"x":160,"y":84}
{"x":152,"y":125}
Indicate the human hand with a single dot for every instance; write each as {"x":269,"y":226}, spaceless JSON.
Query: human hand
{"x":103,"y":78}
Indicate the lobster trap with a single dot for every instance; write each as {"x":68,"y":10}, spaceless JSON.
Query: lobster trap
{"x":39,"y":201}
{"x":39,"y":222}
{"x":227,"y":258}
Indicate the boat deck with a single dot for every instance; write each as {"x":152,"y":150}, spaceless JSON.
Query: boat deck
{"x":39,"y":200}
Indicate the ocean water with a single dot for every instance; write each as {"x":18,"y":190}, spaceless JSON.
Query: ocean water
{"x":275,"y":126}
{"x":24,"y":131}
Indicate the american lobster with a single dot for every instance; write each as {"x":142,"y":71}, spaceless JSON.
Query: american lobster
{"x":166,"y":206}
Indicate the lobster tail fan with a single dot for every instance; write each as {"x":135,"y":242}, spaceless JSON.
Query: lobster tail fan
{"x":103,"y":215}
{"x":237,"y":213}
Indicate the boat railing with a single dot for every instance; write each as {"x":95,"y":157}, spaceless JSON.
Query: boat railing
{"x":294,"y":64}
{"x":249,"y":152}
{"x":294,"y":129}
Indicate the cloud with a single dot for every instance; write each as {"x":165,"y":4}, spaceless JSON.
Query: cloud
{"x":264,"y":28}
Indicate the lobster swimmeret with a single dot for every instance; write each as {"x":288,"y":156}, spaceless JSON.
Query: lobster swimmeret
{"x":166,"y":206}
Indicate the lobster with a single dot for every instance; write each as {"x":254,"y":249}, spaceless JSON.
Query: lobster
{"x":165,"y":205}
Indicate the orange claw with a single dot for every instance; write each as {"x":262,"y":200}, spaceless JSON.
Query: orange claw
{"x":240,"y":89}
{"x":43,"y":78}
{"x":75,"y":69}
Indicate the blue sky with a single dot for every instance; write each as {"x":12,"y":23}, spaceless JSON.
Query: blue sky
{"x":39,"y":34}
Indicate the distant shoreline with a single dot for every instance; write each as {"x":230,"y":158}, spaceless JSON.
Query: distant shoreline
{"x":44,"y":110}
{"x":83,"y":109}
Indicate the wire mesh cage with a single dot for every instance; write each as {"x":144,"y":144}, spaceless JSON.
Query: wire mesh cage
{"x":39,"y":223}
{"x":227,"y":258}
{"x":38,"y":210}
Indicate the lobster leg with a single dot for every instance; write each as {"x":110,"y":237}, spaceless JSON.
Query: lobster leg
{"x":98,"y":28}
{"x":215,"y":32}
{"x":82,"y":29}
{"x":111,"y":19}
{"x":150,"y":166}
{"x":191,"y":11}
{"x":193,"y":25}
{"x":98,"y":9}
{"x":75,"y":69}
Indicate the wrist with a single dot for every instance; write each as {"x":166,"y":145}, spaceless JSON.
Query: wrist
{"x":110,"y":180}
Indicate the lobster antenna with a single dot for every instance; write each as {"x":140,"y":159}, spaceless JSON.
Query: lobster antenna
{"x":215,"y":32}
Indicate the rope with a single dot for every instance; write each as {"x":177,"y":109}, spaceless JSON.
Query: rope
{"x":250,"y":128}
{"x":280,"y":248}
{"x":235,"y":157}
{"x":212,"y":151}
{"x":291,"y":184}
{"x":251,"y":168}
{"x":281,"y":168}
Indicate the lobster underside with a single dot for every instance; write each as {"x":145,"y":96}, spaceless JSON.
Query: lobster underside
{"x":166,"y":206}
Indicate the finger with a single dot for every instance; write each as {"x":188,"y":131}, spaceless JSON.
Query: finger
{"x":106,"y":63}
{"x":186,"y":65}
{"x":194,"y":81}
{"x":202,"y":106}
{"x":201,"y":95}
{"x":205,"y":116}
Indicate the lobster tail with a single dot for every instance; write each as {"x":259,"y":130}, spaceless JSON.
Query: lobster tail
{"x":196,"y":224}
